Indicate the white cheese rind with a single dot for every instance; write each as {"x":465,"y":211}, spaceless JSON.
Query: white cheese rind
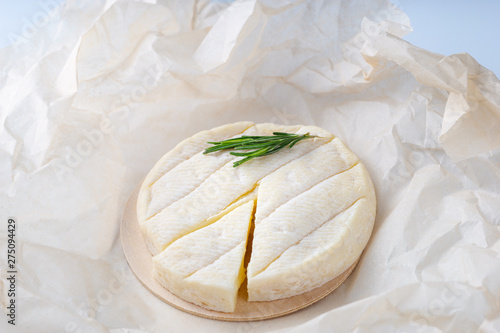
{"x":219,"y":190}
{"x":315,"y":209}
{"x":320,"y":251}
{"x":206,"y":266}
{"x":317,"y":258}
{"x":182,"y":152}
{"x":302,"y":174}
{"x":187,"y":176}
{"x":298,"y":217}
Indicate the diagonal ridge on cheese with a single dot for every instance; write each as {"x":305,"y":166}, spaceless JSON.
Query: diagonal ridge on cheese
{"x":290,"y":180}
{"x":215,"y":282}
{"x":181,"y":152}
{"x":313,"y":206}
{"x":323,"y":254}
{"x":208,"y":261}
{"x":289,"y":223}
{"x":193,"y":145}
{"x":202,"y":247}
{"x":216,"y":193}
{"x":173,"y":185}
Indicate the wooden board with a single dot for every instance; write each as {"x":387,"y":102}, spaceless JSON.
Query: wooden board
{"x":139,"y":259}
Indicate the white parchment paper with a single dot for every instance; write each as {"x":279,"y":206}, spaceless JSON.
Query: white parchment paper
{"x":92,"y":96}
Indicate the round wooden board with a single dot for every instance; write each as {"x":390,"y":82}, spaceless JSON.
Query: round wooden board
{"x":139,"y":260}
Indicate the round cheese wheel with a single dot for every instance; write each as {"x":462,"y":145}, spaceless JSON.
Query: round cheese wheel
{"x":309,"y":212}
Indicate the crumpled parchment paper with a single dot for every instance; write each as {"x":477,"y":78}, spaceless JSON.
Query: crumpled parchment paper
{"x":92,"y":97}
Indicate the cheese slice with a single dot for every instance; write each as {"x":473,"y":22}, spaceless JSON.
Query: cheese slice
{"x":206,"y":266}
{"x":314,"y":213}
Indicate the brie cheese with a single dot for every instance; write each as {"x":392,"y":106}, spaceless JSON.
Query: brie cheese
{"x":312,"y":207}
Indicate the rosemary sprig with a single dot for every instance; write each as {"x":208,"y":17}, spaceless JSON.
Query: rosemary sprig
{"x":257,"y":145}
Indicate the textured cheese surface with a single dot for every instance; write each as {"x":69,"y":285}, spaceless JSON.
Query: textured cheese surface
{"x":206,"y":266}
{"x":314,"y":212}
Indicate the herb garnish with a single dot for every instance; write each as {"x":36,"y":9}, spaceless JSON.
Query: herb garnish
{"x":256,"y":145}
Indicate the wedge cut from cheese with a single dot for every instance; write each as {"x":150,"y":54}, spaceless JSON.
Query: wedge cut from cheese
{"x":206,"y":266}
{"x":313,"y":208}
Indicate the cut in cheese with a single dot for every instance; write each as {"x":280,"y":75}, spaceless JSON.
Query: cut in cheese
{"x":219,"y":189}
{"x":313,"y":215}
{"x":206,"y":266}
{"x":294,"y":249}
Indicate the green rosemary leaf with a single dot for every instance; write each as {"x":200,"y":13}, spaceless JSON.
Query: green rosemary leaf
{"x":294,"y":142}
{"x":238,"y":163}
{"x":257,"y":146}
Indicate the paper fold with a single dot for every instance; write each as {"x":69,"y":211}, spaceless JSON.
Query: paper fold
{"x":96,"y":96}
